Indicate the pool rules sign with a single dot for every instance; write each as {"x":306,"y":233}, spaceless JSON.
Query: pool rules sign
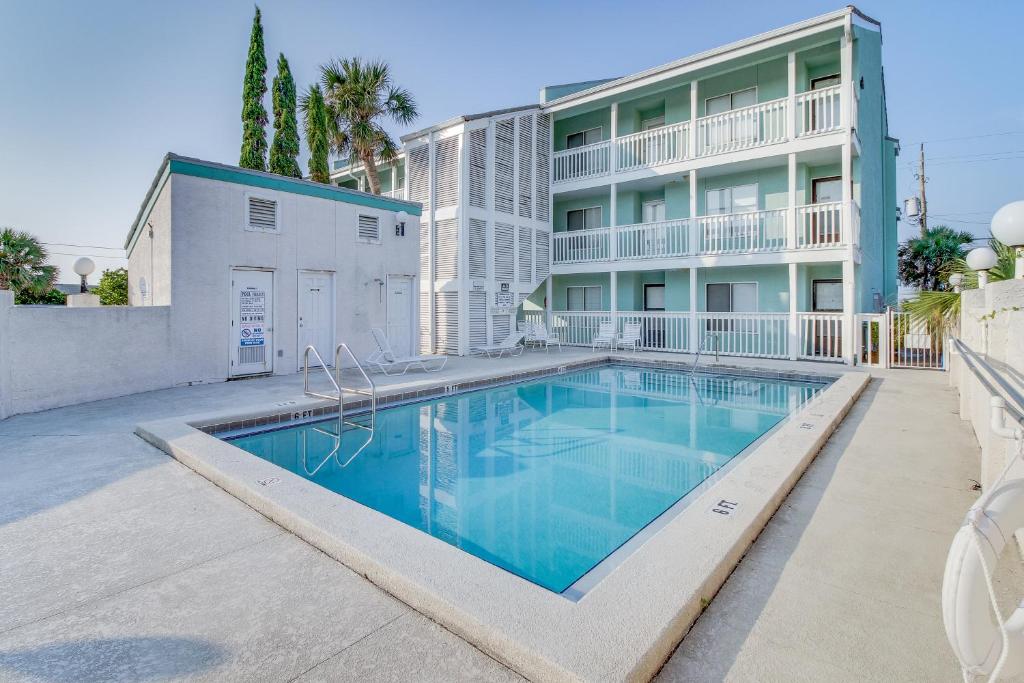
{"x":252,"y":301}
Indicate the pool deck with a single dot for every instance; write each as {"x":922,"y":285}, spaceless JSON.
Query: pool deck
{"x":117,"y":562}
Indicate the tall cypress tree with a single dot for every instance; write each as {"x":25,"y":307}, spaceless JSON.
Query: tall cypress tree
{"x":284,"y":150}
{"x":254,"y":115}
{"x":314,"y":120}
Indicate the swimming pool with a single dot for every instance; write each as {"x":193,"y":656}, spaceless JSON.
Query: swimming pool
{"x":545,"y":478}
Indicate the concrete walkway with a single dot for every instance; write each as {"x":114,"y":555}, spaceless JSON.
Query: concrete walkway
{"x":117,"y":562}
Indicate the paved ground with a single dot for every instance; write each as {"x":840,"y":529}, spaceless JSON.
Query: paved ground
{"x":116,"y":562}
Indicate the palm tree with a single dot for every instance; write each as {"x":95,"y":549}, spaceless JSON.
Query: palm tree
{"x":359,"y":96}
{"x":922,"y":260}
{"x":940,"y":309}
{"x":23,"y":263}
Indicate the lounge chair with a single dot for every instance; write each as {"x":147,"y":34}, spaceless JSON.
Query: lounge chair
{"x":512,"y":345}
{"x":540,"y":335}
{"x":630,"y":337}
{"x":605,"y":336}
{"x":385,"y":359}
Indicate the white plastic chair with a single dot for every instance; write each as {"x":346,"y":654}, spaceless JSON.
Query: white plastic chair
{"x":605,"y":336}
{"x":512,"y":345}
{"x":630,"y":337}
{"x":542,"y":336}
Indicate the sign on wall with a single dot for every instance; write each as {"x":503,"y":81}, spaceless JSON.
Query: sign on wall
{"x":252,"y":315}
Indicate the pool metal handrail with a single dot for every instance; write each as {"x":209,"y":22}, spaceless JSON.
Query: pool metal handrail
{"x":335,"y":380}
{"x":1004,"y":396}
{"x":700,"y":349}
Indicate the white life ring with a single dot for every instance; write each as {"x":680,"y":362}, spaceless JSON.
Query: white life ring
{"x":966,"y":603}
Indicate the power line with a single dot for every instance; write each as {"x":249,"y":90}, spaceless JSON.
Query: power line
{"x":978,"y":161}
{"x":80,"y":246}
{"x":966,"y":137}
{"x":64,"y":253}
{"x":978,"y":154}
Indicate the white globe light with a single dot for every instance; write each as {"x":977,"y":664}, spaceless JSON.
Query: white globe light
{"x":1008,"y":224}
{"x":401,"y":216}
{"x":956,"y":279}
{"x":981,"y":258}
{"x":84,"y":266}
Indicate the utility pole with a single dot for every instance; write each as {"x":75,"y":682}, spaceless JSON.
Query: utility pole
{"x":924,"y":201}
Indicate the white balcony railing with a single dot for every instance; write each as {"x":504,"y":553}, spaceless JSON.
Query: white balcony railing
{"x":736,"y":233}
{"x":582,"y":162}
{"x":658,"y":331}
{"x":663,"y":239}
{"x":764,"y":335}
{"x":395,"y":194}
{"x":818,"y":111}
{"x":819,"y":225}
{"x":820,"y":336}
{"x":582,"y":246}
{"x":753,"y":126}
{"x":663,"y":145}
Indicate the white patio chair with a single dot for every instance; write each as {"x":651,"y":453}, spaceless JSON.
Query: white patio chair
{"x":385,"y":359}
{"x":630,"y":337}
{"x":605,"y":336}
{"x":512,"y":345}
{"x":542,"y":336}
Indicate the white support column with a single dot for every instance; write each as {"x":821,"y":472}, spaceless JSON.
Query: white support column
{"x":613,"y":220}
{"x":694,"y":89}
{"x":846,"y":77}
{"x":694,"y":223}
{"x":694,"y":342}
{"x":614,"y":149}
{"x":846,"y":212}
{"x":791,"y":128}
{"x":791,"y":217}
{"x":613,"y":277}
{"x":431,"y":244}
{"x":549,"y":290}
{"x":849,"y":308}
{"x":794,"y":331}
{"x":394,"y":177}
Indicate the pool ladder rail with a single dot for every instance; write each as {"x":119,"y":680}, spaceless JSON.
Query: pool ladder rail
{"x":339,"y":396}
{"x":701,"y":349}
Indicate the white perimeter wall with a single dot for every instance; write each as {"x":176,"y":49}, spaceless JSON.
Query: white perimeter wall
{"x":53,"y":356}
{"x":990,"y":326}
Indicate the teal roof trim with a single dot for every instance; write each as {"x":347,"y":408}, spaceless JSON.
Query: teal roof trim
{"x":232,"y":174}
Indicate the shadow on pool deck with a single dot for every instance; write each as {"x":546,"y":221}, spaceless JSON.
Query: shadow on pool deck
{"x":105,"y":659}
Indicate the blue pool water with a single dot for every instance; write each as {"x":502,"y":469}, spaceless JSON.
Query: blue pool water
{"x":544,"y":478}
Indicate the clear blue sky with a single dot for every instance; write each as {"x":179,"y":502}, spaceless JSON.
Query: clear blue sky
{"x":94,"y":94}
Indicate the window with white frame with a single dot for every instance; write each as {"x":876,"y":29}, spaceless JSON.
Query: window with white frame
{"x":369,"y":229}
{"x":730,"y":130}
{"x":733,"y":100}
{"x":583,"y":298}
{"x":589,"y":218}
{"x":731,"y":201}
{"x":584,"y":137}
{"x":261,"y":213}
{"x":730,"y":297}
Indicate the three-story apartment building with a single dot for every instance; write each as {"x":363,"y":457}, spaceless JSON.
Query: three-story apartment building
{"x":743,"y":198}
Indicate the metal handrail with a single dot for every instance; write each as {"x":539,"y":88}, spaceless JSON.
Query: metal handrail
{"x":372,"y":392}
{"x":700,"y":349}
{"x":323,"y":366}
{"x":974,"y":362}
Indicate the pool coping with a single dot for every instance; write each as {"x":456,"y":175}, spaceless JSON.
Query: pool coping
{"x":624,"y":627}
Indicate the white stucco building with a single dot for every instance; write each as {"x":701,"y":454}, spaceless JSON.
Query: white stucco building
{"x":256,"y":266}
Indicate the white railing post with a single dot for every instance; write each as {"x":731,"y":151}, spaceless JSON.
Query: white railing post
{"x":613,"y":162}
{"x":694,"y":150}
{"x":614,"y":280}
{"x":694,"y":338}
{"x":694,"y":223}
{"x":794,"y":337}
{"x":849,"y":295}
{"x":613,"y":209}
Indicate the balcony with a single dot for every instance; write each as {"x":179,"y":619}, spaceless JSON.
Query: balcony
{"x":817,"y":226}
{"x":394,"y":194}
{"x":816,"y":112}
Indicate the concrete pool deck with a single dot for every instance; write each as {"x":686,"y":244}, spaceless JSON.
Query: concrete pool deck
{"x":118,"y":562}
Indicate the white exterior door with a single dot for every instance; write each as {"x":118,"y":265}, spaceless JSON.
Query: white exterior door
{"x":252,"y":322}
{"x":316,"y":315}
{"x":400,"y":314}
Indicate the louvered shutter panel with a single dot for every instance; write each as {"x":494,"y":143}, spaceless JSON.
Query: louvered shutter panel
{"x":446,"y":171}
{"x":478,"y":168}
{"x":477,"y":247}
{"x":502,"y":327}
{"x":262,"y":213}
{"x":543,"y":254}
{"x":425,"y":323}
{"x":526,"y":166}
{"x":525,"y":254}
{"x":419,"y":174}
{"x":504,"y":258}
{"x":504,"y":148}
{"x":369,"y":228}
{"x":543,"y":166}
{"x":425,"y":232}
{"x":446,"y":249}
{"x":477,"y":319}
{"x":447,"y":320}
